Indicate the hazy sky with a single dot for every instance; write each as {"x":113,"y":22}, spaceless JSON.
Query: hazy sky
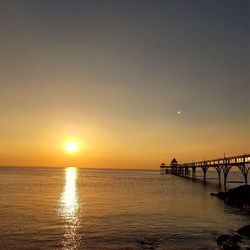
{"x":112,"y":75}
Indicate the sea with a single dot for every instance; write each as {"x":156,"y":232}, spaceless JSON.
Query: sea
{"x":77,"y":208}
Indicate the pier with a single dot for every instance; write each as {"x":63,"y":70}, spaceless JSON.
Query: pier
{"x":221,"y":165}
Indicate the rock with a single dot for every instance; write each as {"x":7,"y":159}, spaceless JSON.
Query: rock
{"x":223,"y":238}
{"x":213,"y":194}
{"x":244,"y":231}
{"x":231,"y":246}
{"x":222,"y":195}
{"x":238,"y":196}
{"x":229,"y":242}
{"x":236,"y":237}
{"x":148,"y":243}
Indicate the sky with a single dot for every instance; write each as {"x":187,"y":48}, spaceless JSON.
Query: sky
{"x":112,"y":75}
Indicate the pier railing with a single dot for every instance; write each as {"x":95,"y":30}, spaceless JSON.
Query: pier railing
{"x":221,"y":165}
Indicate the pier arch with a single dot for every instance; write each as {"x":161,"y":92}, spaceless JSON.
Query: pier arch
{"x":244,"y":168}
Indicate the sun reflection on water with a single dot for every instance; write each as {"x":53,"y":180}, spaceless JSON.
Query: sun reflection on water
{"x":69,"y":210}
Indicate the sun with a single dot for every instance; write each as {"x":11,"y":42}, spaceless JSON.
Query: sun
{"x":71,"y":146}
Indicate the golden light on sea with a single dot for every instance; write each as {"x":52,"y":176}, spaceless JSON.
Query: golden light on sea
{"x":69,"y":198}
{"x":69,"y":210}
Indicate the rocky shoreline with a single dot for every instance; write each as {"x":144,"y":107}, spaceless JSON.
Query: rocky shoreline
{"x":239,"y":196}
{"x":236,"y":241}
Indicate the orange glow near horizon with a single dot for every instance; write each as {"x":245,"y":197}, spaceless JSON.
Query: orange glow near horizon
{"x":115,"y":144}
{"x":113,"y":147}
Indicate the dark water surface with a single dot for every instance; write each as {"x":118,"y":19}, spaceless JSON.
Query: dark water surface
{"x":44,"y":208}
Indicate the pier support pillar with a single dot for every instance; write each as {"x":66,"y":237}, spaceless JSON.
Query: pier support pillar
{"x":244,"y":170}
{"x":194,"y":172}
{"x":182,"y":171}
{"x":204,"y":169}
{"x":218,"y":169}
{"x":226,"y":169}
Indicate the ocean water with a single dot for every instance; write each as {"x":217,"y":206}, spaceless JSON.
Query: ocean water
{"x":49,"y":208}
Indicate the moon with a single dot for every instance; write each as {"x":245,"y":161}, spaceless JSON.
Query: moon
{"x":178,"y":112}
